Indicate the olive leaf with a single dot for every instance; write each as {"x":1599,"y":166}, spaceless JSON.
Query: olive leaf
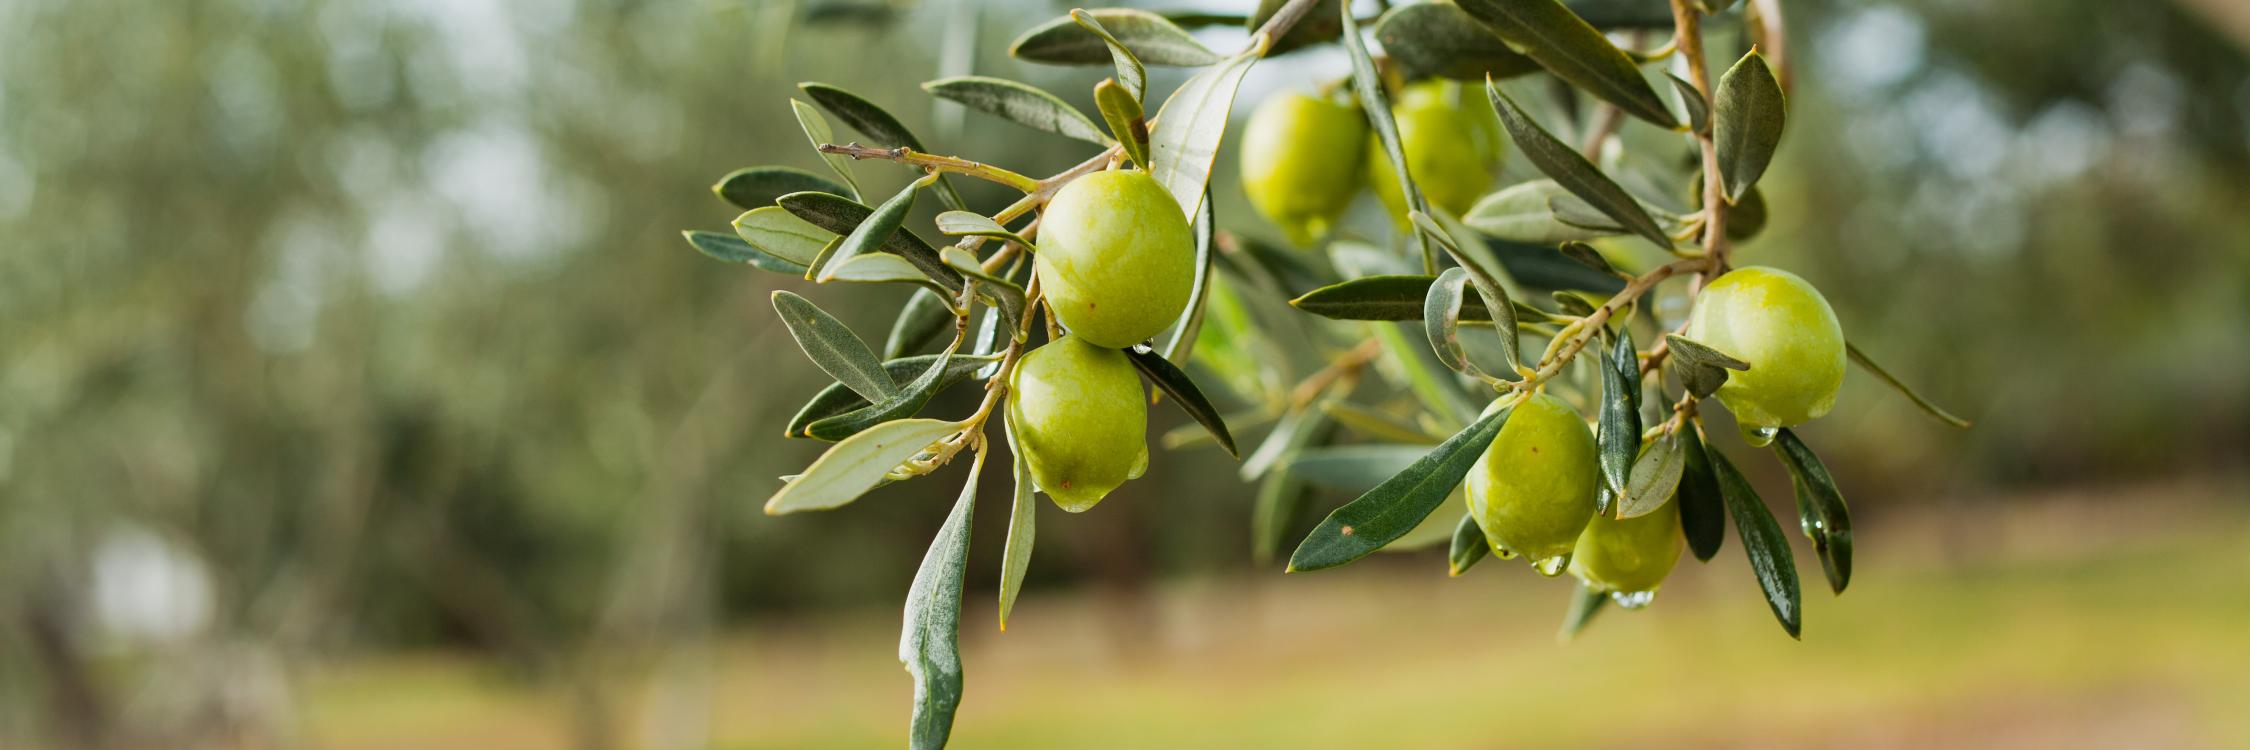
{"x":1750,"y":111}
{"x":875,"y":231}
{"x":1540,"y":267}
{"x":1762,"y":542}
{"x":781,"y":234}
{"x":1127,"y":122}
{"x":1860,"y":358}
{"x":817,"y":130}
{"x":839,"y":399}
{"x":1620,"y":436}
{"x":876,"y":268}
{"x":1700,"y":368}
{"x":1019,"y":103}
{"x":1176,"y":384}
{"x":1691,"y":98}
{"x":1571,"y":170}
{"x":732,"y":249}
{"x":1441,"y":320}
{"x":876,"y":123}
{"x":1182,"y":343}
{"x":1574,"y":51}
{"x":1656,"y":476}
{"x":757,"y":187}
{"x":1354,"y":468}
{"x":1437,"y":39}
{"x":1375,"y":101}
{"x":1023,"y":528}
{"x":1130,"y":73}
{"x":975,"y":224}
{"x":1586,"y":256}
{"x":1703,"y":514}
{"x":1400,"y":503}
{"x":859,"y":463}
{"x":842,"y":215}
{"x":1820,"y":508}
{"x":1153,"y":39}
{"x":929,"y":643}
{"x":1583,"y":606}
{"x":1192,"y":122}
{"x":906,"y":403}
{"x":1488,"y":288}
{"x":926,"y":315}
{"x":1523,"y":212}
{"x":1469,"y":546}
{"x":1391,"y":298}
{"x":833,"y":346}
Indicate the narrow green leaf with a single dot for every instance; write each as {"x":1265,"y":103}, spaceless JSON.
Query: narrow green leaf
{"x":1620,"y":434}
{"x":906,"y":403}
{"x":876,"y":268}
{"x":1750,"y":111}
{"x":1375,"y":101}
{"x":926,"y":315}
{"x":930,"y":642}
{"x":1182,"y":342}
{"x":1391,"y":298}
{"x":1439,"y":40}
{"x":961,"y":223}
{"x":842,"y":215}
{"x":873,"y":233}
{"x":1697,"y":351}
{"x":1023,"y":529}
{"x":1703,"y":513}
{"x":1656,"y":476}
{"x":1399,"y":504}
{"x":781,"y":234}
{"x":1441,"y":321}
{"x":1574,"y":51}
{"x":1820,"y":508}
{"x":817,"y":130}
{"x":1018,"y":103}
{"x":1354,"y":468}
{"x":1700,"y":368}
{"x":852,"y":467}
{"x":1469,"y":546}
{"x":1153,"y":39}
{"x":833,"y":346}
{"x":1572,"y":171}
{"x":1127,"y":123}
{"x":1130,"y":72}
{"x":1190,"y":125}
{"x":1763,"y":543}
{"x":838,"y":399}
{"x":871,"y":120}
{"x":1176,"y":384}
{"x":1583,"y":606}
{"x":1691,"y":98}
{"x":1860,"y":358}
{"x":1586,"y":256}
{"x":1495,"y":296}
{"x":732,"y":249}
{"x":1540,"y":267}
{"x":1523,"y":213}
{"x":757,"y":187}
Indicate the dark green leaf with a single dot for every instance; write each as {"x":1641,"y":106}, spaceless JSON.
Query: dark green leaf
{"x":1698,"y":352}
{"x":1620,"y":435}
{"x":1691,"y":98}
{"x":834,"y":347}
{"x":877,"y":124}
{"x":1176,"y":384}
{"x":1153,"y":39}
{"x":1577,"y":304}
{"x":757,"y":187}
{"x":1933,"y":410}
{"x":1018,"y":103}
{"x":1439,"y":40}
{"x":1540,"y":267}
{"x":1468,"y":547}
{"x":906,"y":403}
{"x":1763,"y":543}
{"x":1820,"y":508}
{"x":1130,"y":73}
{"x":1190,"y":126}
{"x":1375,"y":101}
{"x":1319,"y":25}
{"x":1023,"y":529}
{"x":1701,"y":369}
{"x":732,"y":249}
{"x":1399,"y":504}
{"x":930,"y":643}
{"x":873,"y":233}
{"x":817,"y":130}
{"x":1656,"y":476}
{"x":1574,"y":51}
{"x":1703,"y":514}
{"x":837,"y":399}
{"x":924,"y":317}
{"x":1586,"y":256}
{"x":776,"y":232}
{"x":1127,"y":122}
{"x":1624,"y":14}
{"x":859,"y":463}
{"x":1583,"y":606}
{"x":1495,"y":296}
{"x":842,"y":215}
{"x":1389,"y":298}
{"x":1354,"y":468}
{"x":1571,"y":170}
{"x":1747,"y":216}
{"x":1749,"y":113}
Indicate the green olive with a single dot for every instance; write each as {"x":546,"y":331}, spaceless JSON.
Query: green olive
{"x":1301,"y":162}
{"x":1116,"y":257}
{"x":1533,"y":488}
{"x":1453,"y":144}
{"x":1081,"y":419}
{"x":1782,"y":326}
{"x":1630,"y":555}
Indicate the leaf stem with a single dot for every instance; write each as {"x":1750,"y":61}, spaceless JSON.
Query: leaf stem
{"x":934,"y":163}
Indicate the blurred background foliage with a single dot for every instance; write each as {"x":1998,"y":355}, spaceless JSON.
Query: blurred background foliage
{"x":340,"y":327}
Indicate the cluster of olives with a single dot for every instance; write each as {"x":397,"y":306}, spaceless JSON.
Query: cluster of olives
{"x":1116,"y":263}
{"x":1304,"y":156}
{"x":1534,"y":491}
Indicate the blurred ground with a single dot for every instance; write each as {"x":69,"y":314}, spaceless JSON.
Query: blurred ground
{"x":2104,"y":617}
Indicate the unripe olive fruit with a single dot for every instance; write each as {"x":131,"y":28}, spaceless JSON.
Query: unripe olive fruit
{"x":1081,"y":419}
{"x":1533,"y":489}
{"x":1301,"y":162}
{"x":1453,"y":143}
{"x":1629,"y":555}
{"x":1116,"y":257}
{"x":1782,"y":326}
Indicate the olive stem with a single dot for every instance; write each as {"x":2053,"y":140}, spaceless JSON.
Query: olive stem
{"x":1688,"y":36}
{"x":1573,"y":339}
{"x":934,"y":163}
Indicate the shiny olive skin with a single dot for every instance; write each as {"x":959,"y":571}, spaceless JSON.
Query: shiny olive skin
{"x":1453,"y":143}
{"x":1116,"y":258}
{"x":1078,"y":413}
{"x":1301,"y":162}
{"x":1785,"y":329}
{"x":1533,"y":489}
{"x":1630,"y":555}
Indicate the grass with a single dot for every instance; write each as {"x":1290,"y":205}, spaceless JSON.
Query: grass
{"x":2108,"y":630}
